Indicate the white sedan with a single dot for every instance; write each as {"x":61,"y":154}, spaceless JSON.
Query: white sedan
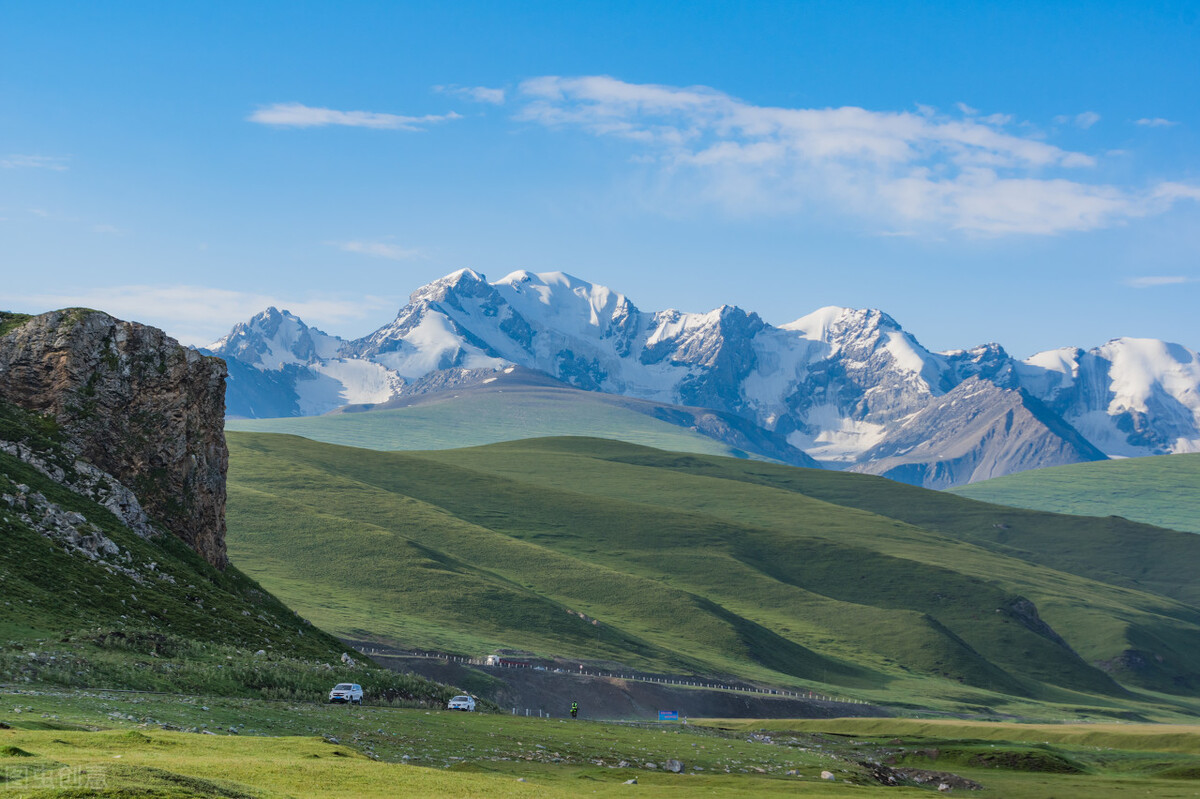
{"x":461,"y":703}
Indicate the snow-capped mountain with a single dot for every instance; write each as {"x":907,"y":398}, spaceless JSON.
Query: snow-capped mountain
{"x":295,"y":370}
{"x":976,"y":431}
{"x":276,"y":338}
{"x":849,"y":387}
{"x":1130,"y":397}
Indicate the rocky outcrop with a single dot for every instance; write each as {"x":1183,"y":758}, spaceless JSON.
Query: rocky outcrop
{"x":88,"y":481}
{"x":135,"y":403}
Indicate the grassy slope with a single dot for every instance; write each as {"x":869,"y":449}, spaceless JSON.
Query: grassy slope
{"x":472,"y":549}
{"x":180,"y":624}
{"x":1117,"y":552}
{"x":10,"y":320}
{"x":1161,"y":490}
{"x":485,"y":418}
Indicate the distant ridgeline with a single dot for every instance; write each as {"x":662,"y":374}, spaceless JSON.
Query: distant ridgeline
{"x":850,"y":388}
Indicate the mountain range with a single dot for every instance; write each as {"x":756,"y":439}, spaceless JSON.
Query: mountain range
{"x":850,"y":388}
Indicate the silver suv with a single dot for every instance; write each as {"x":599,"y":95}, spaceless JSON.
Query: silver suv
{"x":346,"y":692}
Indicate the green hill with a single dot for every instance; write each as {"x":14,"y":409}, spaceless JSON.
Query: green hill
{"x":1163,"y":490}
{"x":87,"y":602}
{"x":527,"y":405}
{"x":714,"y":565}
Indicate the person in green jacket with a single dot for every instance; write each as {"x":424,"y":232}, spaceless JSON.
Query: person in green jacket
{"x":574,"y":710}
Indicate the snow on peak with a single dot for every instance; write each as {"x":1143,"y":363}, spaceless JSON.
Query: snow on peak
{"x":1142,"y":367}
{"x":463,"y":282}
{"x":274,"y":338}
{"x":816,"y":325}
{"x":461,"y":275}
{"x":563,"y":302}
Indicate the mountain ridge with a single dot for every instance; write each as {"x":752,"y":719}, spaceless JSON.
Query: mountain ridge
{"x":840,"y":384}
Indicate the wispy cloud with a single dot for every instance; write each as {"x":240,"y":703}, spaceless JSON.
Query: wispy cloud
{"x":1155,"y":122}
{"x":57,"y":163}
{"x":199,"y":315}
{"x":1084,"y":120}
{"x":297,"y":115}
{"x":923,"y":170}
{"x":1158,"y":280}
{"x":111,"y":229}
{"x":377,"y":249}
{"x":480,"y":94}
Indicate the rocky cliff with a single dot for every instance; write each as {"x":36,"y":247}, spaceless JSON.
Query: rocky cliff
{"x":135,"y":403}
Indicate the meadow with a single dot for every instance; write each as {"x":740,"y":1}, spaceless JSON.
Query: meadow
{"x":1160,"y":490}
{"x":96,"y":743}
{"x":690,"y":564}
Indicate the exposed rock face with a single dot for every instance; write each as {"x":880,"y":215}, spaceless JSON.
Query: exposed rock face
{"x":975,"y":432}
{"x":135,"y":403}
{"x":86,"y":480}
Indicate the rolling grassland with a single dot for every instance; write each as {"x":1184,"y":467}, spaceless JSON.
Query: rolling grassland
{"x":606,"y":551}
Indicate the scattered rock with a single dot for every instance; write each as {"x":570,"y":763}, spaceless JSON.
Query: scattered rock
{"x":260,"y":653}
{"x":675,"y":766}
{"x":886,"y":775}
{"x":651,"y":765}
{"x":827,"y":775}
{"x":632,"y":781}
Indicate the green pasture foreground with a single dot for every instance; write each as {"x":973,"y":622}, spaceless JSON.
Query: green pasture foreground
{"x":80,"y":743}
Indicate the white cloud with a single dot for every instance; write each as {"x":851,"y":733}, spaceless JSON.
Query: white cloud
{"x":106,"y":229}
{"x":377,"y":249}
{"x":1084,"y":120}
{"x":58,"y":163}
{"x":297,"y":115}
{"x":199,"y":315}
{"x":480,"y":94}
{"x":1158,"y":280}
{"x":920,"y":171}
{"x":1155,"y":122}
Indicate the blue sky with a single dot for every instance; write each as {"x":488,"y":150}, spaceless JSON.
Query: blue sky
{"x":1027,"y":173}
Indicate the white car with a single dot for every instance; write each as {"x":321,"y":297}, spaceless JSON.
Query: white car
{"x":346,"y":692}
{"x":462,"y":703}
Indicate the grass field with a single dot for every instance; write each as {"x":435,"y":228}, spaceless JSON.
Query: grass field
{"x":696,"y":564}
{"x":1162,"y":490}
{"x":104,"y":744}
